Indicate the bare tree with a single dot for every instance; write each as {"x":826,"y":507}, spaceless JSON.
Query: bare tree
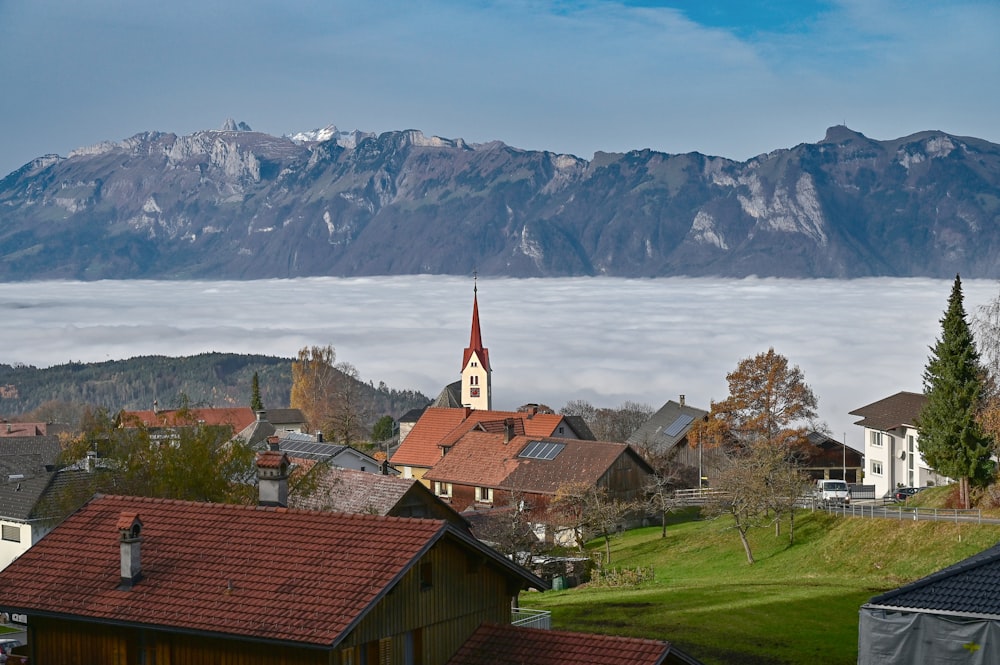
{"x":743,"y":494}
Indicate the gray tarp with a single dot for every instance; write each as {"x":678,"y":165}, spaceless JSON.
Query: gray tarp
{"x":905,"y":638}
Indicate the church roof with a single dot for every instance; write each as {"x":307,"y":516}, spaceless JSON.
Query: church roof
{"x":476,"y":340}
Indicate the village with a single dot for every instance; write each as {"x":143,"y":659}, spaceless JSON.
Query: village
{"x":418,"y":553}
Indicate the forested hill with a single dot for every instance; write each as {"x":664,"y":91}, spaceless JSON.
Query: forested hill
{"x":209,"y":379}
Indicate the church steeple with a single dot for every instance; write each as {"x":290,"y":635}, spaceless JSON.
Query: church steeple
{"x":476,"y":372}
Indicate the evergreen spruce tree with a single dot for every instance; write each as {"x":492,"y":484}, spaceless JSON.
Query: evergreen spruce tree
{"x":951,"y":439}
{"x":255,"y":402}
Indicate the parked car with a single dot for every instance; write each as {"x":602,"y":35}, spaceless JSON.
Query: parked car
{"x":904,"y":493}
{"x":832,"y":492}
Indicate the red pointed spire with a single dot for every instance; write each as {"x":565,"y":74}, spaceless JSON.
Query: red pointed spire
{"x":476,"y":338}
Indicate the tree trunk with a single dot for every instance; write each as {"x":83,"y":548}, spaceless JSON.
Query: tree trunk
{"x":791,"y":527}
{"x":607,"y":547}
{"x":663,"y":521}
{"x":746,"y":545}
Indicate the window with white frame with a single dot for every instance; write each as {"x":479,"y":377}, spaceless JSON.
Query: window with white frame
{"x":484,"y":494}
{"x":876,"y":467}
{"x":876,"y":439}
{"x":442,"y":489}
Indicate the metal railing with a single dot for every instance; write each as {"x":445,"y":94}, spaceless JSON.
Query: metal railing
{"x":903,"y":512}
{"x":521,"y":616}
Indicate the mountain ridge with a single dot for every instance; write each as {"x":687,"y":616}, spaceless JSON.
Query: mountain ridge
{"x":239,"y":204}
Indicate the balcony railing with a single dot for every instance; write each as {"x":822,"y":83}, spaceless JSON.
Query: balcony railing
{"x":520,"y":616}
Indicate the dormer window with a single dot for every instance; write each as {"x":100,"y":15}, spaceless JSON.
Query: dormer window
{"x":484,"y":494}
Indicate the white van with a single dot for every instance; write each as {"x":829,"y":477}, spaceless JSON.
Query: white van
{"x":832,"y":491}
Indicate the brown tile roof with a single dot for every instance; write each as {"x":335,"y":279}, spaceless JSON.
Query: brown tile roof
{"x":484,"y":460}
{"x":494,"y":644}
{"x":268,"y":573}
{"x":443,"y":427}
{"x":238,"y":417}
{"x":891,"y":412}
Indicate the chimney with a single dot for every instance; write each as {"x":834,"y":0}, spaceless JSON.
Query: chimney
{"x":468,"y":411}
{"x":91,"y":461}
{"x":682,"y":400}
{"x":129,"y":538}
{"x":319,"y":436}
{"x":274,"y":442}
{"x":508,"y":430}
{"x":384,"y":468}
{"x":156,"y":407}
{"x":261,"y":416}
{"x":272,"y":478}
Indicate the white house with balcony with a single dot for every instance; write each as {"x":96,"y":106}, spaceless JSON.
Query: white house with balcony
{"x":892,"y":452}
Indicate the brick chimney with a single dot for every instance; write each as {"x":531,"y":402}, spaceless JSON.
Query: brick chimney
{"x":508,"y":430}
{"x":130,"y":539}
{"x":272,"y":476}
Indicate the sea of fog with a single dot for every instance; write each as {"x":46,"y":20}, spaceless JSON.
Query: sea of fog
{"x":550,"y":340}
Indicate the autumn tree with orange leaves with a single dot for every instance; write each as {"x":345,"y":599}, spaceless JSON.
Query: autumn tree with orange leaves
{"x":759,"y":426}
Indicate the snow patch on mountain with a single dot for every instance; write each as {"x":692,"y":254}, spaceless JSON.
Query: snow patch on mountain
{"x":347,"y":140}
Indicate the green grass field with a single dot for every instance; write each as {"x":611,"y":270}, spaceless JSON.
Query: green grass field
{"x":796,"y":604}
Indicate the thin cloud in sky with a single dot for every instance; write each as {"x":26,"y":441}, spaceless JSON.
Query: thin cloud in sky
{"x":550,"y":340}
{"x":725,"y":78}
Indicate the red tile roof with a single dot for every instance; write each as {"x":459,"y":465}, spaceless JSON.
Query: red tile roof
{"x":493,"y":644}
{"x":444,"y":427}
{"x":269,"y":573}
{"x":238,"y":417}
{"x":482,"y":459}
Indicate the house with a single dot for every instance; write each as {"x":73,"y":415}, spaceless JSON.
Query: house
{"x":438,"y":430}
{"x":951,"y":616}
{"x":27,"y":469}
{"x":484,"y":470}
{"x":11,"y":429}
{"x":824,"y":457}
{"x":497,"y":644}
{"x":665,"y":435}
{"x":313,"y":449}
{"x":351,"y":491}
{"x":137,"y":580}
{"x":156,"y":420}
{"x":892,"y":452}
{"x":285,"y":420}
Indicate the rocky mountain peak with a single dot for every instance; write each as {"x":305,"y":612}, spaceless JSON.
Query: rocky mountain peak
{"x":230,"y":125}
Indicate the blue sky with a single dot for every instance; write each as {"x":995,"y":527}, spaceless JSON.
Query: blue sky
{"x":723,"y":78}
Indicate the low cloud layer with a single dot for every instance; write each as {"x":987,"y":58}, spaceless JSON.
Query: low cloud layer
{"x":550,"y":340}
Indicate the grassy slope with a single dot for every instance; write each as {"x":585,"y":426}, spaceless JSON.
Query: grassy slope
{"x":797,"y":604}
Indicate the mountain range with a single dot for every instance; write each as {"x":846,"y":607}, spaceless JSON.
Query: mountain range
{"x":239,"y":204}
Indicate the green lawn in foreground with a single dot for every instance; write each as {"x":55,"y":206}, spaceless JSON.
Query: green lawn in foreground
{"x":797,"y":604}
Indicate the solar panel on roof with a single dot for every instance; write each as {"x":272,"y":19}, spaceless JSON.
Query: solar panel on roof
{"x":678,"y":425}
{"x":541,"y":450}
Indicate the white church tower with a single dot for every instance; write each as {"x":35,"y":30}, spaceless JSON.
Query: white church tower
{"x":476,"y":371}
